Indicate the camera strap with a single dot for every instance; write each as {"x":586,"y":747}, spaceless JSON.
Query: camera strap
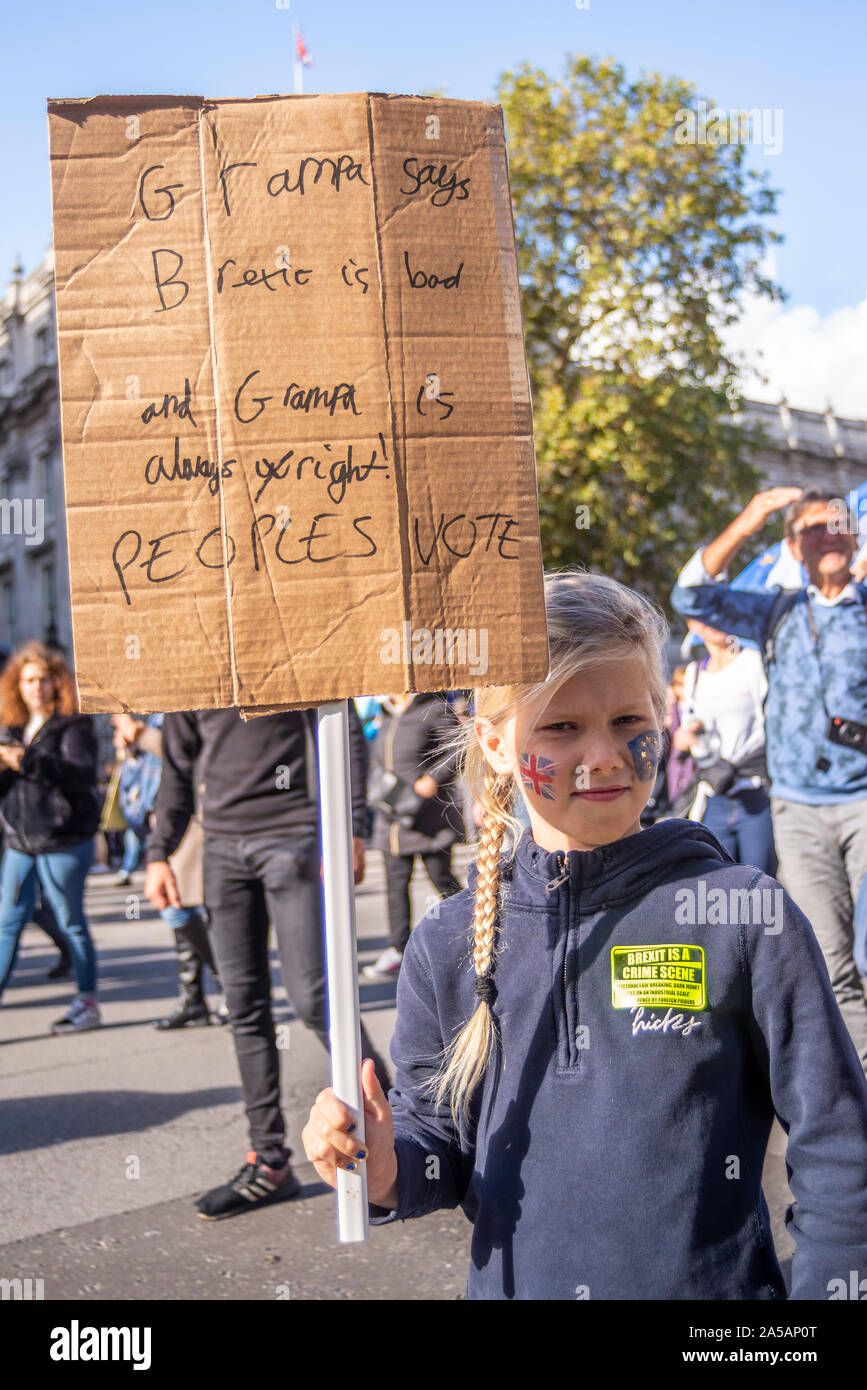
{"x":817,"y":649}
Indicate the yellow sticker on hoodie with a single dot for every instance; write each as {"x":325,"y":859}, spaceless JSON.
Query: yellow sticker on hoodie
{"x":658,"y":977}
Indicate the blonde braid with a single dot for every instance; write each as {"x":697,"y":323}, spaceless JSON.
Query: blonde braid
{"x":487,"y":889}
{"x":466,"y":1058}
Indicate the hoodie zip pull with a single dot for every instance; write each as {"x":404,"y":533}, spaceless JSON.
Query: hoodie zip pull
{"x":564,"y":874}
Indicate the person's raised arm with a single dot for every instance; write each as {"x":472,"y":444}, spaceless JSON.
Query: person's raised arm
{"x":699,"y":595}
{"x":720,"y":552}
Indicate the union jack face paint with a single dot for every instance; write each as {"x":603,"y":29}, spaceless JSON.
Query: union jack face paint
{"x":537,"y":774}
{"x":645,"y":750}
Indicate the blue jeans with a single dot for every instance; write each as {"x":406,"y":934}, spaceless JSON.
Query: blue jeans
{"x":178,"y":916}
{"x":62,"y":876}
{"x":133,"y":847}
{"x":742,"y":823}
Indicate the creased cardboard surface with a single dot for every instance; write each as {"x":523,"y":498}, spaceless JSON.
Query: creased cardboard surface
{"x":296,"y":419}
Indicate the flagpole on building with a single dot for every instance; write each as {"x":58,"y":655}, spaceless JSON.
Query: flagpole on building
{"x":302,"y":61}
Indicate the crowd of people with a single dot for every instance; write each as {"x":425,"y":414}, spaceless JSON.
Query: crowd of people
{"x":661,"y":944}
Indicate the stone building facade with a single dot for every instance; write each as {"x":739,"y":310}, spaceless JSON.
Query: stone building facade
{"x":34,"y":581}
{"x":806,"y":448}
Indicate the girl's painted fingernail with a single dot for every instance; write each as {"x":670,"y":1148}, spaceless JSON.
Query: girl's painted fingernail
{"x":362,"y":1153}
{"x":351,"y":1129}
{"x":351,"y":1167}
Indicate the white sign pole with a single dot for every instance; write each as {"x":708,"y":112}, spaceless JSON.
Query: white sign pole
{"x":335,"y":804}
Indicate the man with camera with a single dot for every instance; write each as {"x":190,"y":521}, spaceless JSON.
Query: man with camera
{"x":814,"y":642}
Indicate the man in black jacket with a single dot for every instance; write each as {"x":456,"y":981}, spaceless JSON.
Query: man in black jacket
{"x":259,"y":787}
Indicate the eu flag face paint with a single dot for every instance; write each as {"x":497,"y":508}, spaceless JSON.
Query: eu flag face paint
{"x":645,"y":751}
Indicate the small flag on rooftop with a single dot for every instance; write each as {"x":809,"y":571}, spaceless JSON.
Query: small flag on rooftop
{"x":301,"y":49}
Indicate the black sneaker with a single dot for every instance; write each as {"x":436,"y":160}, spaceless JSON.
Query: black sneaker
{"x":256,"y":1185}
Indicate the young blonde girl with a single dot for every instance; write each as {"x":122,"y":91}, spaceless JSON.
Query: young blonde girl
{"x":592,"y":1039}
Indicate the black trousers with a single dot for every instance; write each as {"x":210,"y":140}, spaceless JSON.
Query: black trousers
{"x":398,"y":872}
{"x":251,"y":882}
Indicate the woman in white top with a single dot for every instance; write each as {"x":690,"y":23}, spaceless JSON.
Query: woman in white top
{"x":723,"y":727}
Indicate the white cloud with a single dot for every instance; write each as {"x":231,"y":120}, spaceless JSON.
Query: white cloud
{"x":810,"y":359}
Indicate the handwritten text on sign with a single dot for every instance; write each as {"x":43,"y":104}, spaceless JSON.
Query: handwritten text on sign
{"x":295,"y":404}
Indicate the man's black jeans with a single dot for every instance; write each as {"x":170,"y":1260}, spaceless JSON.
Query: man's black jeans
{"x":251,"y":881}
{"x":398,"y":873}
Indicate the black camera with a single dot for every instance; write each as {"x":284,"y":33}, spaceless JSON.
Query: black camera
{"x":848,"y":733}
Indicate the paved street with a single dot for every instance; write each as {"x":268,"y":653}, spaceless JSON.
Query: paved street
{"x":106,"y":1138}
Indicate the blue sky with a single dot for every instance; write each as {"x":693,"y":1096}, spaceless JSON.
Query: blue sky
{"x":804,"y":58}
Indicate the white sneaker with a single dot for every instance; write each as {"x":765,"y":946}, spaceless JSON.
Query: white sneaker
{"x":385,"y":967}
{"x":80,"y":1018}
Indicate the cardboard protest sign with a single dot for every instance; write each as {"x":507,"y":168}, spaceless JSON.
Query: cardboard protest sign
{"x":296,"y":419}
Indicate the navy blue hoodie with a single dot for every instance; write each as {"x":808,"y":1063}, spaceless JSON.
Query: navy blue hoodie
{"x":650,"y":1027}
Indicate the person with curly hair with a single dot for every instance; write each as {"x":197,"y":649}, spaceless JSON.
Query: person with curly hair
{"x":49,"y":810}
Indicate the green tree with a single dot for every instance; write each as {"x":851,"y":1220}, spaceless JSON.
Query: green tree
{"x":634,"y":250}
